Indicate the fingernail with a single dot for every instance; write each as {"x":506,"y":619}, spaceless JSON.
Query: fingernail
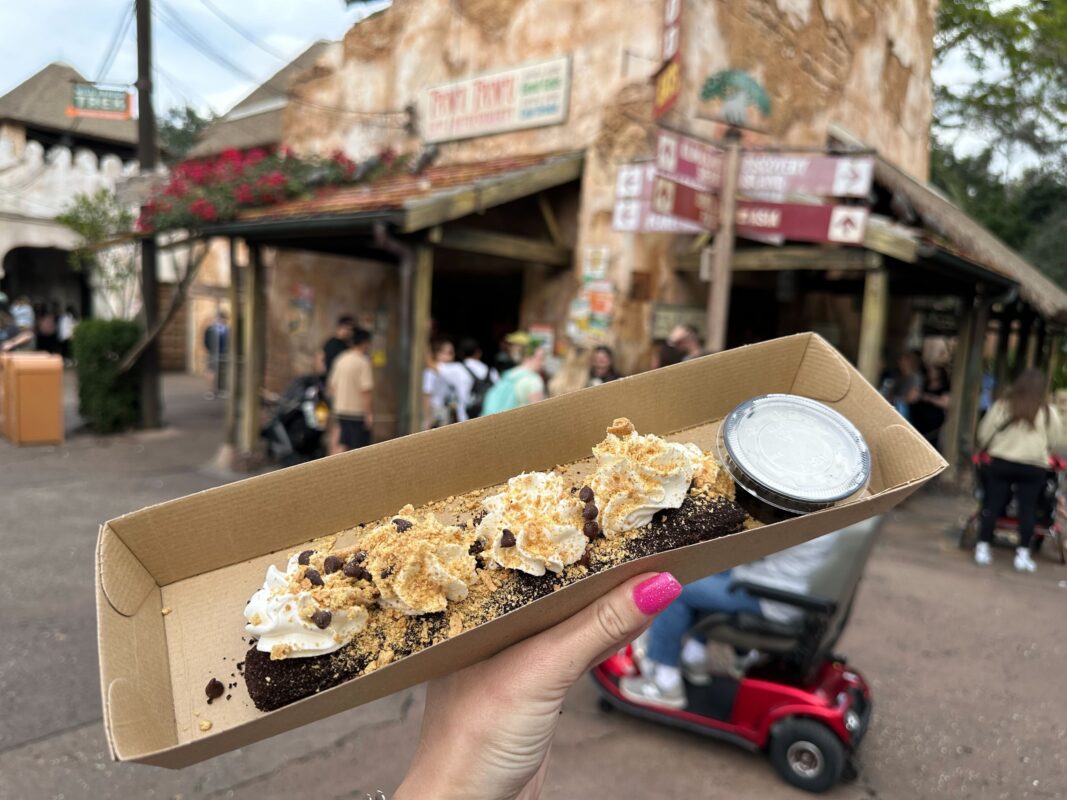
{"x":655,"y":594}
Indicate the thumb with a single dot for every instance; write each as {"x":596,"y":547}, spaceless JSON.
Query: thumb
{"x":613,"y":620}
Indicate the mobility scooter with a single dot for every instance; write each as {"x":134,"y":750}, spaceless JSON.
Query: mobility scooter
{"x":779,"y":688}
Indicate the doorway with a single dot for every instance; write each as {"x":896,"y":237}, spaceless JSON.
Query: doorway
{"x":479,"y":303}
{"x":45,"y":276}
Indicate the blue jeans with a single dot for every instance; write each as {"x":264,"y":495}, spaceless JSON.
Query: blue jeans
{"x":700,"y":597}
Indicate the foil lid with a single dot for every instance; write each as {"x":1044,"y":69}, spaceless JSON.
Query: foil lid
{"x":793,"y":452}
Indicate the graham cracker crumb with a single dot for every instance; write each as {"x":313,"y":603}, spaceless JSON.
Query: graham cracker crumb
{"x":385,"y":657}
{"x":621,"y":427}
{"x":165,"y":610}
{"x":455,"y":625}
{"x":205,"y":725}
{"x":280,"y":651}
{"x":489,"y":584}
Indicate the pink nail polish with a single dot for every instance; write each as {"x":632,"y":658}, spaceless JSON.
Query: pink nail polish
{"x":655,"y":594}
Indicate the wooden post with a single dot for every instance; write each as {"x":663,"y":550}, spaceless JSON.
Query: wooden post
{"x":952,"y":431}
{"x":873,"y":323}
{"x":1053,"y":358}
{"x":252,"y":351}
{"x":1036,"y":344}
{"x":1000,"y":369}
{"x":232,"y":373}
{"x":420,"y":332}
{"x":1022,"y":342}
{"x":723,"y":254}
{"x":972,"y":379}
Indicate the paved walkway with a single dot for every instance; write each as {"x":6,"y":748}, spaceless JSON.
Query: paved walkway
{"x":966,"y":665}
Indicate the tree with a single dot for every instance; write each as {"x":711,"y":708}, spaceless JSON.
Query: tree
{"x":179,"y":130}
{"x":1017,"y":51}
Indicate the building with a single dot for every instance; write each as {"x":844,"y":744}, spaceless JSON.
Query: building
{"x":521,"y":114}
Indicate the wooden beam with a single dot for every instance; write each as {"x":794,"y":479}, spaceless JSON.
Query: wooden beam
{"x":793,"y":257}
{"x":1000,"y":365}
{"x":254,"y":308}
{"x":447,"y":206}
{"x":957,"y":434}
{"x":873,"y":324}
{"x":972,"y":380}
{"x":420,"y":332}
{"x":888,"y":238}
{"x":549,"y":216}
{"x":232,"y":409}
{"x":518,"y":248}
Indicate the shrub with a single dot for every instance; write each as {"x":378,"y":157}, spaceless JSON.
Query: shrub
{"x":107,"y":401}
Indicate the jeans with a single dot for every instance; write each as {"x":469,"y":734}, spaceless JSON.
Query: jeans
{"x":1000,"y":477}
{"x":698,"y":598}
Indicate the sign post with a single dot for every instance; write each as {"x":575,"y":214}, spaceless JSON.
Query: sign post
{"x":723,"y":254}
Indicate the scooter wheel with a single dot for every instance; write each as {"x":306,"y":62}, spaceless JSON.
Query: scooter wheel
{"x":807,"y":755}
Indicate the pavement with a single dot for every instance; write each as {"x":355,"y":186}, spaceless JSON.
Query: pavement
{"x":966,"y":665}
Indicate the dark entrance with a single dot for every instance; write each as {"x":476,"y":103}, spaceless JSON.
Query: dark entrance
{"x":44,"y":275}
{"x":482,"y":303}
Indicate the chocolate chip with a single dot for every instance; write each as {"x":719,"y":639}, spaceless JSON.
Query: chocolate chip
{"x":591,"y":529}
{"x":590,"y":511}
{"x":353,"y":570}
{"x":507,"y":538}
{"x":228,"y":696}
{"x":586,"y":494}
{"x":322,"y":618}
{"x":332,"y":564}
{"x":385,"y":573}
{"x":313,"y":576}
{"x":305,"y":557}
{"x":360,"y":557}
{"x":214,"y":689}
{"x":584,"y":560}
{"x":402,"y":524}
{"x":476,"y":547}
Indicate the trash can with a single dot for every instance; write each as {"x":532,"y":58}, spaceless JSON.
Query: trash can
{"x":32,"y":401}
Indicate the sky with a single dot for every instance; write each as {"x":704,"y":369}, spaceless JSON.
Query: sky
{"x":36,"y":33}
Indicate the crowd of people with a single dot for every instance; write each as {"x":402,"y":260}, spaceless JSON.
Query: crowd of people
{"x":41,"y":326}
{"x":919,"y":392}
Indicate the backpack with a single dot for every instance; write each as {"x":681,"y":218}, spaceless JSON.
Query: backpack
{"x":502,"y":395}
{"x":479,"y":389}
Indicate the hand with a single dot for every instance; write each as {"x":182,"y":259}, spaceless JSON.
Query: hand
{"x":368,"y":421}
{"x":487,"y":730}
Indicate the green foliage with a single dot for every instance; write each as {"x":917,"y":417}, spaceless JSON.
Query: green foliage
{"x":1017,"y":51}
{"x":179,"y":130}
{"x":107,"y":401}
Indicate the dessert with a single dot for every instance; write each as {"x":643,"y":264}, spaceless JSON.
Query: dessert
{"x":411,"y":580}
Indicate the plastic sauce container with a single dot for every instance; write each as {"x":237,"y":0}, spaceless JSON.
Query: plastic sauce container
{"x":793,"y":454}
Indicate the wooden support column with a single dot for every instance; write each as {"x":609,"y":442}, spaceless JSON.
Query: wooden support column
{"x":252,"y":355}
{"x":1036,"y":344}
{"x":873,"y":323}
{"x":1022,"y":342}
{"x":966,"y":359}
{"x":232,"y":354}
{"x":1053,"y":358}
{"x":723,"y":254}
{"x":422,"y":289}
{"x":972,"y":380}
{"x":1000,"y":368}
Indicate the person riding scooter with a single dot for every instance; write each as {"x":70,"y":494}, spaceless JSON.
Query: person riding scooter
{"x":668,"y":658}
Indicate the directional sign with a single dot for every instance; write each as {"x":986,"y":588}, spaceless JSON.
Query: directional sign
{"x":684,"y":159}
{"x":633,"y":211}
{"x":678,"y":200}
{"x":803,"y":173}
{"x":802,"y":223}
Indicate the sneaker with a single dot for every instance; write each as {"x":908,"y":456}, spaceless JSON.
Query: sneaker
{"x":983,"y":554}
{"x":1024,"y":562}
{"x":646,"y":692}
{"x":696,"y":670}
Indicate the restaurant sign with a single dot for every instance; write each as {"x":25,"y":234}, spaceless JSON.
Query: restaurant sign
{"x":89,"y":100}
{"x":529,"y":96}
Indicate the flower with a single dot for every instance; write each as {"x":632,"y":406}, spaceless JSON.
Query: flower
{"x":387,"y":155}
{"x":254,"y":156}
{"x":243,"y":194}
{"x":176,"y":187}
{"x":274,"y":180}
{"x":204,"y":209}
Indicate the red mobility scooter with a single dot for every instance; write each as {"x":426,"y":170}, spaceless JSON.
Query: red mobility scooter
{"x":789,"y":695}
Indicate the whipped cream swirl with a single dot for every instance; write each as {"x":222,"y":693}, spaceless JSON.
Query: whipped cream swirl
{"x":419,"y":565}
{"x":534,"y":525}
{"x":280,"y":616}
{"x":636,"y":476}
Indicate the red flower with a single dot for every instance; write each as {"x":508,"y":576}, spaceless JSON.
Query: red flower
{"x":254,"y":156}
{"x":176,"y":188}
{"x":387,"y":155}
{"x":274,"y":180}
{"x":204,"y":209}
{"x":288,"y":152}
{"x":243,"y":194}
{"x":347,"y":165}
{"x":230,"y":155}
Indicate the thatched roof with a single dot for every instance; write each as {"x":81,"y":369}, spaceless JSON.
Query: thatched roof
{"x":256,"y":121}
{"x":41,"y":101}
{"x":977,"y":244}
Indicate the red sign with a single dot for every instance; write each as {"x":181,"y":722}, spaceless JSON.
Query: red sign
{"x":684,"y":159}
{"x":802,"y":173}
{"x":633,"y":211}
{"x":668,"y":81}
{"x":802,"y":223}
{"x":679,"y":200}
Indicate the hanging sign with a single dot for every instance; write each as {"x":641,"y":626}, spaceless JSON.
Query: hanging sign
{"x":89,"y":100}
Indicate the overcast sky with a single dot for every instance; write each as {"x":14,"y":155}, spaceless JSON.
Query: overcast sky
{"x":36,"y":33}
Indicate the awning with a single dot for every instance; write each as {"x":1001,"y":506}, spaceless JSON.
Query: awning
{"x":958,"y":234}
{"x":412,"y":202}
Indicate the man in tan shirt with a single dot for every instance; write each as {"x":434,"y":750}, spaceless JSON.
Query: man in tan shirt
{"x":350,"y":386}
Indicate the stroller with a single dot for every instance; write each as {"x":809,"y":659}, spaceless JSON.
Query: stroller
{"x":790,"y":696}
{"x":296,"y":430}
{"x":1047,"y":523}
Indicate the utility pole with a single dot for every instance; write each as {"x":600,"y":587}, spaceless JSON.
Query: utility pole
{"x":147,"y":154}
{"x":721,"y":256}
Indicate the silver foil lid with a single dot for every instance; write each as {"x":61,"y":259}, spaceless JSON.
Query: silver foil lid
{"x":793,"y":452}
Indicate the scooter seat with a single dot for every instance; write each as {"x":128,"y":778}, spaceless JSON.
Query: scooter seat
{"x":747,"y":631}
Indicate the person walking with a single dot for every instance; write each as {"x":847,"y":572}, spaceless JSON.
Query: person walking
{"x":217,"y":344}
{"x":339,"y":342}
{"x":441,"y":398}
{"x":350,"y":386}
{"x":473,"y":379}
{"x":67,"y":322}
{"x":602,"y":368}
{"x":520,"y":385}
{"x":1018,"y":433}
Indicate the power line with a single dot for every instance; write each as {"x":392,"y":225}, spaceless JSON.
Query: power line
{"x":116,"y":44}
{"x":241,"y":31}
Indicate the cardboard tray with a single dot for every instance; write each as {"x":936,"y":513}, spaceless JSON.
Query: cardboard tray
{"x":203,"y":555}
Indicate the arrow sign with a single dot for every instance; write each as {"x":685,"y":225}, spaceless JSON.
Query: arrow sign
{"x":802,"y":223}
{"x":633,"y":211}
{"x":678,"y":200}
{"x":689,"y":161}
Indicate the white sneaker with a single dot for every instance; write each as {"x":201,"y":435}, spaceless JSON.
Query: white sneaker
{"x":983,"y":554}
{"x":694,"y":662}
{"x":646,"y":692}
{"x":1024,"y":562}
